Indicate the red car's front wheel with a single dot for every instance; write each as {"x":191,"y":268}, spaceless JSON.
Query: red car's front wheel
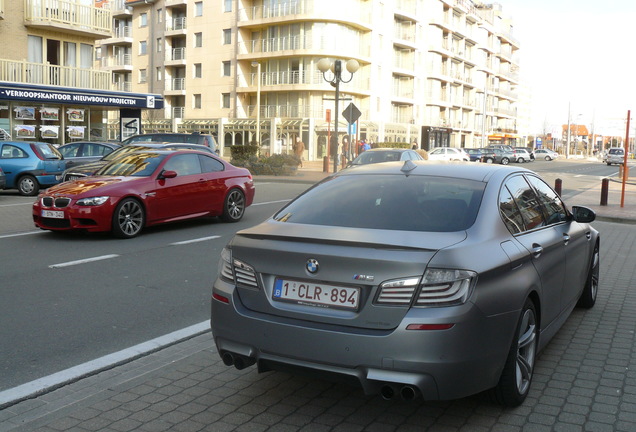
{"x":128,"y":219}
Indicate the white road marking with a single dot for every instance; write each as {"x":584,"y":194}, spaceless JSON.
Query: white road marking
{"x":21,"y":234}
{"x":83,"y":261}
{"x":272,"y":202}
{"x":194,"y":240}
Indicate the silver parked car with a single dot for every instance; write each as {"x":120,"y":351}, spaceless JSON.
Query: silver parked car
{"x":410,"y":278}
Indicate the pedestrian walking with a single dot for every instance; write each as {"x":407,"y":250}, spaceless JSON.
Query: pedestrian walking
{"x":299,"y":149}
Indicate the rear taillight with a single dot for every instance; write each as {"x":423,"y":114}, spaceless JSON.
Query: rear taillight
{"x":37,"y":152}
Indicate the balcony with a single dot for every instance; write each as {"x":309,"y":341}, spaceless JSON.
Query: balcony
{"x":351,"y":47}
{"x":176,"y":26}
{"x":178,"y":112}
{"x":175,"y":87}
{"x":125,"y":86}
{"x":176,"y":57}
{"x":54,"y":75}
{"x":118,"y":8}
{"x":68,"y":16}
{"x":121,"y":36}
{"x":118,"y":62}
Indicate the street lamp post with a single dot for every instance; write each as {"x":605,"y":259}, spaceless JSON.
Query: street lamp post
{"x":335,"y":67}
{"x":258,"y":102}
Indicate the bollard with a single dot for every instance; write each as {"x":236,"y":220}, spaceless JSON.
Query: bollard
{"x":325,"y":164}
{"x":604,"y":191}
{"x":558,"y":185}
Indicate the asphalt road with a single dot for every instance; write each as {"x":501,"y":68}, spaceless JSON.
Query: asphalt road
{"x":70,"y":298}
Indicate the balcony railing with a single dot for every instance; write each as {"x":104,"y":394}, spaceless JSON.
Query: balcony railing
{"x":123,"y":32}
{"x":176,"y":84}
{"x":352,"y":45}
{"x":118,"y":6}
{"x":178,"y":112}
{"x":177,"y":54}
{"x":68,"y":13}
{"x":315,"y":8}
{"x":125,"y":86}
{"x":176,"y":24}
{"x":117,"y":60}
{"x":47,"y":74}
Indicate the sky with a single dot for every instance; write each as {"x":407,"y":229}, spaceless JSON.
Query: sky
{"x":577,"y":56}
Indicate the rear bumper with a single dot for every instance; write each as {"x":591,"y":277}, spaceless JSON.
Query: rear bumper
{"x":436,"y":364}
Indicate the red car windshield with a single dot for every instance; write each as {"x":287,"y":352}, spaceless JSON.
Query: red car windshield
{"x":134,"y":164}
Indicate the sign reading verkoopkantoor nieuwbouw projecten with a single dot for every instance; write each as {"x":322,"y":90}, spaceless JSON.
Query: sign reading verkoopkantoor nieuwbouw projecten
{"x":66,"y":95}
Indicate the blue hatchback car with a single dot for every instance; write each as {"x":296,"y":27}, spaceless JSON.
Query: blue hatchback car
{"x":29,"y":166}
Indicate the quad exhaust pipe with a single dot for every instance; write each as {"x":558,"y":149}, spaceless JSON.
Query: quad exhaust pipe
{"x":407,"y":393}
{"x":237,"y":360}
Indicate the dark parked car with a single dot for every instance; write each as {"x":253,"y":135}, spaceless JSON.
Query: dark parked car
{"x":193,"y":138}
{"x":476,"y":153}
{"x":29,"y":166}
{"x":146,"y":188}
{"x":91,"y":168}
{"x":81,"y":152}
{"x":410,"y":278}
{"x":385,"y":155}
{"x":495,"y":155}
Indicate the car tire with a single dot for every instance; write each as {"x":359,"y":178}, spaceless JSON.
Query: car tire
{"x":129,"y":218}
{"x":548,"y":158}
{"x":516,"y":377}
{"x":28,"y":186}
{"x":590,"y":290}
{"x":521,"y":160}
{"x":489,"y":160}
{"x":609,"y":164}
{"x":234,"y":206}
{"x":505,"y":161}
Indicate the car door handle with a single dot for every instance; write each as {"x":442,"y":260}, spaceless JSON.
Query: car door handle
{"x":537,"y":250}
{"x":566,"y":239}
{"x":588,"y":235}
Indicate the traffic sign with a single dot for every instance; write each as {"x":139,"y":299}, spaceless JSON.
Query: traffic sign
{"x":351,"y":113}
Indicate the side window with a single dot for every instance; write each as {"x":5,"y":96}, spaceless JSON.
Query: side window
{"x":10,"y":152}
{"x":510,"y":212}
{"x":70,"y":150}
{"x":209,"y":164}
{"x":185,"y":164}
{"x":527,"y":202}
{"x":552,"y":204}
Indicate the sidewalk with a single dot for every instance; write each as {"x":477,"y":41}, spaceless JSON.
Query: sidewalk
{"x":584,"y":378}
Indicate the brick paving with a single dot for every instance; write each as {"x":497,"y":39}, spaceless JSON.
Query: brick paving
{"x":585,"y":380}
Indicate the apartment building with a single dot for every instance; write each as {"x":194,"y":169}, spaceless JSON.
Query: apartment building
{"x":49,"y":88}
{"x":433,"y":72}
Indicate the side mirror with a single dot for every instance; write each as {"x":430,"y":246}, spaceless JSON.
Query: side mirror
{"x":583,"y":214}
{"x":168,"y":174}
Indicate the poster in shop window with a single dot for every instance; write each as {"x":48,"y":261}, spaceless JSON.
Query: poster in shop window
{"x":76,"y":132}
{"x":24,"y":113}
{"x":52,"y":114}
{"x":75,"y":115}
{"x":49,"y":132}
{"x":25,"y":131}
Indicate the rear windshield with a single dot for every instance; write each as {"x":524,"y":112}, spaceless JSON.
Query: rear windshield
{"x":616,"y":151}
{"x":388,"y":202}
{"x":48,"y":151}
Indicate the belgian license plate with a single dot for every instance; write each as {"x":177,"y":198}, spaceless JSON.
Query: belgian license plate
{"x":53,"y":214}
{"x":307,"y":293}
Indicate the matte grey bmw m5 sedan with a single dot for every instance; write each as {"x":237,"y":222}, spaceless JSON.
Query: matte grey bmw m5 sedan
{"x":411,"y":279}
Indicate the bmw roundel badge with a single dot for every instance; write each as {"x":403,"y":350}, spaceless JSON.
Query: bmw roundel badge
{"x":312,"y":266}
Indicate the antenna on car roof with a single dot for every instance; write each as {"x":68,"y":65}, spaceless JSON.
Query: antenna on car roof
{"x":408,"y":166}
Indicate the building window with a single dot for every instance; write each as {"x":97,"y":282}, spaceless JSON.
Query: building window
{"x":227,"y":36}
{"x":198,"y":40}
{"x":197,"y":70}
{"x":159,"y":44}
{"x":198,"y":9}
{"x":143,"y":76}
{"x":196,"y":101}
{"x":143,"y":47}
{"x":227,"y":68}
{"x":159,"y":15}
{"x":227,"y":6}
{"x":159,"y":74}
{"x":143,"y":20}
{"x":225,"y":100}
